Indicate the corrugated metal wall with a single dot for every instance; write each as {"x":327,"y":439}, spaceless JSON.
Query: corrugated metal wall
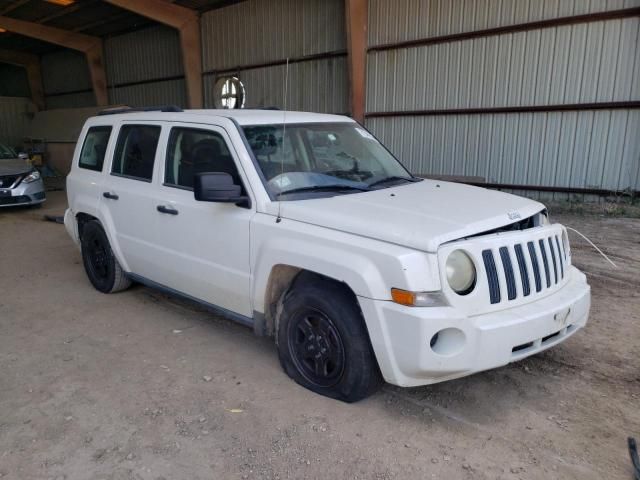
{"x":261,"y":31}
{"x":145,"y":68}
{"x":66,"y":71}
{"x":572,"y":64}
{"x":15,"y":115}
{"x":13,"y":81}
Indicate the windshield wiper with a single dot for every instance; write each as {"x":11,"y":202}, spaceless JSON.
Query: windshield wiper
{"x":321,"y":188}
{"x":394,"y":178}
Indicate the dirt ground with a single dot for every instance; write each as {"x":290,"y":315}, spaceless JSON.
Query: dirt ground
{"x":139,"y":385}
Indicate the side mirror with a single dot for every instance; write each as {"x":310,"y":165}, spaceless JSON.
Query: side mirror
{"x":23,"y":156}
{"x":218,"y":187}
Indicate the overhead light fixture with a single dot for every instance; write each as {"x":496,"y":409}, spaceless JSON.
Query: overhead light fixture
{"x":64,"y":3}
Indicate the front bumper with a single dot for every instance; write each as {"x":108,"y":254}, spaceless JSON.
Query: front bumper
{"x":24,"y":194}
{"x":409,"y":355}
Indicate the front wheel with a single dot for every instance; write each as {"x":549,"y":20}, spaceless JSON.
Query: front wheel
{"x":323,"y":343}
{"x":101,"y":265}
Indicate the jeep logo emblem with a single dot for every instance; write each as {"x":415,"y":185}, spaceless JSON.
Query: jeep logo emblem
{"x":514,"y":216}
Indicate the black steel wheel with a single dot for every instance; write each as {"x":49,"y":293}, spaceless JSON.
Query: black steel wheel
{"x":323,"y":342}
{"x":318,"y":351}
{"x":101,"y":266}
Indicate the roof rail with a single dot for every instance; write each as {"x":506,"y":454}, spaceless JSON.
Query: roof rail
{"x":126,"y":109}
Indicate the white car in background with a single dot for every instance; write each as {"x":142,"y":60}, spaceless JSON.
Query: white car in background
{"x":312,"y":232}
{"x":20,"y":182}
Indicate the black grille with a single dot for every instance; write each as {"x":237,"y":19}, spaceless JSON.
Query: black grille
{"x":492,"y":276}
{"x":14,"y":200}
{"x":7,"y":181}
{"x":524,"y":274}
{"x":508,"y":273}
{"x":543,"y":252}
{"x":534,"y":264}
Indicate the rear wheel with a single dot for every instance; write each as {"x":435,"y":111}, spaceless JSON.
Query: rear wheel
{"x":102,"y":267}
{"x":323,"y":343}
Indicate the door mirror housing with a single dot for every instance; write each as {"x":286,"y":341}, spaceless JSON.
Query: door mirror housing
{"x":218,"y":187}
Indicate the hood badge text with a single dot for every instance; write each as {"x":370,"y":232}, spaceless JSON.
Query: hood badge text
{"x":514,"y":216}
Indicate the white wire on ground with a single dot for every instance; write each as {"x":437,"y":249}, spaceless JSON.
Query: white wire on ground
{"x":593,"y":245}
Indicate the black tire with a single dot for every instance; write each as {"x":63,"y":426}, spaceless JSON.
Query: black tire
{"x":323,"y":343}
{"x":103,"y":270}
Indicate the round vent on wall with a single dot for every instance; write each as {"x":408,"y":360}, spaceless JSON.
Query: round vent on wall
{"x":229,"y":93}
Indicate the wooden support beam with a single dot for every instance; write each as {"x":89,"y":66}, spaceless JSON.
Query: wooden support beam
{"x":31,"y":63}
{"x":12,"y":6}
{"x":187,"y":22}
{"x":357,"y":19}
{"x":90,"y":46}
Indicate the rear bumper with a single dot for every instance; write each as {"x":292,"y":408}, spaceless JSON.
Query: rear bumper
{"x":24,"y":194}
{"x":409,"y":354}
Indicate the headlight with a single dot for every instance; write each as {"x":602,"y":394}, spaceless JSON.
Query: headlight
{"x":461,"y":272}
{"x":32,"y":177}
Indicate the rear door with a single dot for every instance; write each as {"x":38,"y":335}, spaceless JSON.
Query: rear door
{"x":85,"y":183}
{"x":205,"y":246}
{"x":128,"y":196}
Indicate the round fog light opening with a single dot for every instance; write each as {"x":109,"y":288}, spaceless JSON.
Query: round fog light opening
{"x":448,"y":342}
{"x":461,"y":272}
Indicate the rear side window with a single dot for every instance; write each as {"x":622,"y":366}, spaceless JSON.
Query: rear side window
{"x":136,"y":151}
{"x":94,"y":148}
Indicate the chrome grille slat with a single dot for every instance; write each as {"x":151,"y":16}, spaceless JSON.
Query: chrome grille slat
{"x":492,"y":276}
{"x":524,"y":274}
{"x":535,"y":265}
{"x":545,"y":261}
{"x":561,"y":259}
{"x":508,"y":273}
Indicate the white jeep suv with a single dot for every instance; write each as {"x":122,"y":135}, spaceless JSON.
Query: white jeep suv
{"x":304,"y":227}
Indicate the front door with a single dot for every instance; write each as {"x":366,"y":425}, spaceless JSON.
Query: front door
{"x":205,"y":246}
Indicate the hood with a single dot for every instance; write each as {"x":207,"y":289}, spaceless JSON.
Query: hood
{"x":14,"y":167}
{"x":421,"y":215}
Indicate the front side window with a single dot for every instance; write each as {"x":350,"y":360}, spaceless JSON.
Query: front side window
{"x":192,"y":151}
{"x":322,"y":158}
{"x":94,"y":148}
{"x":136,"y":151}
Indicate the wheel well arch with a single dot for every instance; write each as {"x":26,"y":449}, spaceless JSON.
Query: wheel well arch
{"x":82,"y":219}
{"x":282,"y":279}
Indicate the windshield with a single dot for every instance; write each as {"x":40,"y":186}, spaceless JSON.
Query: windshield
{"x":332,"y":158}
{"x":6,"y":152}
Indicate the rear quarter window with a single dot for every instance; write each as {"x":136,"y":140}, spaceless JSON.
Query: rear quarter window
{"x":94,"y":148}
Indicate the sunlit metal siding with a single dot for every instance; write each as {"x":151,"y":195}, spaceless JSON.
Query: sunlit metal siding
{"x":258,"y":31}
{"x":401,"y":20}
{"x":15,"y":115}
{"x":65,"y":71}
{"x":147,"y":54}
{"x":315,"y":86}
{"x":586,"y":149}
{"x":581,"y":63}
{"x":171,"y":92}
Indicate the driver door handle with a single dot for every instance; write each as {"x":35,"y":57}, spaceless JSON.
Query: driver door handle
{"x":169,"y":210}
{"x":111,"y":196}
